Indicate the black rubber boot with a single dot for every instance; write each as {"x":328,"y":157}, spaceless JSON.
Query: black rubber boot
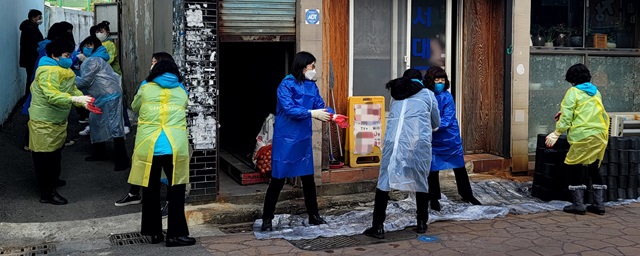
{"x":598,"y":201}
{"x":577,"y":206}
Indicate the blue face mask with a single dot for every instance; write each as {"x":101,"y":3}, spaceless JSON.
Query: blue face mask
{"x":87,"y":51}
{"x":65,"y":62}
{"x":439,"y":87}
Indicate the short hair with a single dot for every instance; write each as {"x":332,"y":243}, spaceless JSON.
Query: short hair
{"x":432,"y":74}
{"x":59,"y":46}
{"x":91,"y":40}
{"x":34,"y":13}
{"x":300,"y":62}
{"x":578,"y":74}
{"x":104,"y":25}
{"x":412,"y":73}
{"x":160,"y":56}
{"x":165,"y":66}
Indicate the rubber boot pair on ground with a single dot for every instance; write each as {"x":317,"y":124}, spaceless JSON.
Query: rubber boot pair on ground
{"x":577,"y":205}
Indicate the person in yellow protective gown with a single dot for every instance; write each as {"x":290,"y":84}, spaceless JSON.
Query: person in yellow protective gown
{"x":102,"y":33}
{"x":162,"y":144}
{"x":583,"y":116}
{"x":53,"y":92}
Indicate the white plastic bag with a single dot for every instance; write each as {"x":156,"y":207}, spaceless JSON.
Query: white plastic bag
{"x":264,"y":136}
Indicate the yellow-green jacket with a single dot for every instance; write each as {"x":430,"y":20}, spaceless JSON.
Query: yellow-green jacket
{"x":51,"y":93}
{"x":113,"y":56}
{"x":586,"y":122}
{"x":161,"y":105}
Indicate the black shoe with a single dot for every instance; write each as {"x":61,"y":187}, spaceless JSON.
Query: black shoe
{"x":596,"y":209}
{"x":316,"y":220}
{"x":422,"y":227}
{"x":375,"y":232}
{"x":93,"y":158}
{"x":266,"y":225}
{"x":53,"y":198}
{"x":435,"y":205}
{"x":60,"y":183}
{"x":156,"y":239}
{"x":180,"y":241}
{"x":129,"y":199}
{"x":472,"y":200}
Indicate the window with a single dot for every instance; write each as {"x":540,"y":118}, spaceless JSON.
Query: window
{"x":379,"y":45}
{"x":585,"y":23}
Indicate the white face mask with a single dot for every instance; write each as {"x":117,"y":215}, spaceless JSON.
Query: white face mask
{"x":101,"y":36}
{"x":310,"y":74}
{"x":39,"y":22}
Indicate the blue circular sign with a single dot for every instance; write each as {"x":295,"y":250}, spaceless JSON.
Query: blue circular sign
{"x":312,"y":16}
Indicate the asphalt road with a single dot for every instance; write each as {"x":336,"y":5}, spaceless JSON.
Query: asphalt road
{"x":92,"y":187}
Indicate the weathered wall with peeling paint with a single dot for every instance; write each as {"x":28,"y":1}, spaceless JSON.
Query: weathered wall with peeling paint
{"x":136,"y":44}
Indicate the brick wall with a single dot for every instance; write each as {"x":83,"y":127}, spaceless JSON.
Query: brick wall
{"x":195,"y":48}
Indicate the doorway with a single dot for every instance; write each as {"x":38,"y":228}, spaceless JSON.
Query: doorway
{"x":249,"y":75}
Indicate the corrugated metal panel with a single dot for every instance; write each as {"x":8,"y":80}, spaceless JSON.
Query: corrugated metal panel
{"x":257,"y":17}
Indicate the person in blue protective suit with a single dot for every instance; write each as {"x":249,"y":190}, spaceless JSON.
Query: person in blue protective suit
{"x":447,"y":144}
{"x":100,"y":81}
{"x":53,"y":93}
{"x":406,"y":155}
{"x":298,"y":102}
{"x":583,"y":116}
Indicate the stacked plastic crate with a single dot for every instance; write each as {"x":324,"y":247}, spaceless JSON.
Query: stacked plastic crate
{"x":621,"y":168}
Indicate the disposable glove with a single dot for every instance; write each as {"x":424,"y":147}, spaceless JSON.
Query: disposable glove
{"x":320,"y":114}
{"x":81,"y":57}
{"x":86,"y":102}
{"x":551,"y":139}
{"x":557,"y":116}
{"x":341,"y":120}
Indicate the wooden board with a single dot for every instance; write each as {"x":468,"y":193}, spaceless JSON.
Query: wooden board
{"x":239,"y":171}
{"x":483,"y":71}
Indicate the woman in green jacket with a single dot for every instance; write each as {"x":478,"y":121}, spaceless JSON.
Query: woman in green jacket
{"x":53,"y":92}
{"x":162,"y":144}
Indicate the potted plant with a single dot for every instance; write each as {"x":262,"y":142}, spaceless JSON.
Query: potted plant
{"x":575,"y":38}
{"x":537,"y":39}
{"x":549,"y":36}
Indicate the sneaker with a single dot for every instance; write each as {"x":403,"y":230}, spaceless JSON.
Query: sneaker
{"x":69,"y":143}
{"x":127,"y":130}
{"x":165,"y":210}
{"x":26,"y":148}
{"x":86,"y":131}
{"x":84,"y":121}
{"x":129,"y":199}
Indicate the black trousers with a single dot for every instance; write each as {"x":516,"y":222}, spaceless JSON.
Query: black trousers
{"x":48,"y":167}
{"x":382,"y":199}
{"x":30,"y":70}
{"x":273,"y":192}
{"x":151,"y":209}
{"x":119,"y":148}
{"x":577,"y":176}
{"x":462,"y":182}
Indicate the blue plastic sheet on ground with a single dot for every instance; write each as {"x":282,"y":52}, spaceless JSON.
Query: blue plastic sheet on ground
{"x":499,"y":198}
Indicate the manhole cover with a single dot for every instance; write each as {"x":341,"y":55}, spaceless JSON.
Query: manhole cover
{"x":237,"y":228}
{"x":41,"y":249}
{"x":128,"y":239}
{"x":325,"y":243}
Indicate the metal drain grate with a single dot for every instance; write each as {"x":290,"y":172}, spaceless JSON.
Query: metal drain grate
{"x":326,"y":243}
{"x":42,"y":249}
{"x":128,"y":239}
{"x":237,"y":228}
